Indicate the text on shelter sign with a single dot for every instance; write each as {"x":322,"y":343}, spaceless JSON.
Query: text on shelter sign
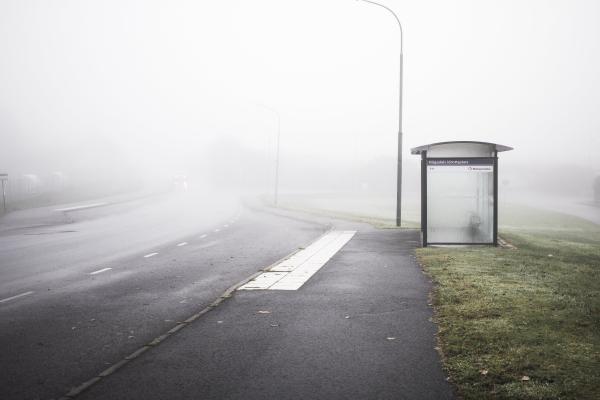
{"x":463,"y":165}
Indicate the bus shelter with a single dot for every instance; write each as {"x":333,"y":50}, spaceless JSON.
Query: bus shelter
{"x":459,"y":192}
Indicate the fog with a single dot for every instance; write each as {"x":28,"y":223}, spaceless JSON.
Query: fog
{"x":124,"y":95}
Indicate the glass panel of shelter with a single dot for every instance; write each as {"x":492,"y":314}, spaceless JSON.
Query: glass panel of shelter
{"x":460,"y":203}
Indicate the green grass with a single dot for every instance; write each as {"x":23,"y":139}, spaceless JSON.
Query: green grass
{"x":377,"y":210}
{"x":378,"y":222}
{"x":533,"y":311}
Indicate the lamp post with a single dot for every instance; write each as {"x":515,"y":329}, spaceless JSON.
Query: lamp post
{"x":3,"y":178}
{"x":399,"y":170}
{"x":276,"y":189}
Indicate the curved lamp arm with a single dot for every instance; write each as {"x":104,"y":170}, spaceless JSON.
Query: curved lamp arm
{"x":395,"y":16}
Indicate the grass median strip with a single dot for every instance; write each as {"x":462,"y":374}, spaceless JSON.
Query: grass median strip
{"x":521,"y":323}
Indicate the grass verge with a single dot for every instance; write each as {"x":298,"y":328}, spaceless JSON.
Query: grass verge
{"x":379,"y":211}
{"x":381,"y":223}
{"x":524,"y":323}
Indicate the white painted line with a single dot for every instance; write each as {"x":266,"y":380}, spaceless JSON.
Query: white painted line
{"x":15,"y":297}
{"x":217,"y":230}
{"x":100,"y":271}
{"x":83,"y":207}
{"x":225,"y":226}
{"x":150,"y":255}
{"x":296,"y":270}
{"x":263,"y":281}
{"x":203,"y":236}
{"x":181,"y":244}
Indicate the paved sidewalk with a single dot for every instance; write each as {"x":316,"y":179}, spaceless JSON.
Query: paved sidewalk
{"x":360,"y":328}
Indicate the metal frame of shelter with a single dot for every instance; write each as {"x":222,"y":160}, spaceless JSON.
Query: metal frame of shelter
{"x":423,"y":150}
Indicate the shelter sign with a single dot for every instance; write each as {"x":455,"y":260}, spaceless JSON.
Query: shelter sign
{"x":460,"y":165}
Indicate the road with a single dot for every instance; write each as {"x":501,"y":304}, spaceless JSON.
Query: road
{"x":76,"y":297}
{"x":91,"y":285}
{"x":360,"y":328}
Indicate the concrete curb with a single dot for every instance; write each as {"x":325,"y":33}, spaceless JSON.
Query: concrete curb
{"x":76,"y":391}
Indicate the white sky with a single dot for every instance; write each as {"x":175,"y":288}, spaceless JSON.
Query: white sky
{"x":84,"y":80}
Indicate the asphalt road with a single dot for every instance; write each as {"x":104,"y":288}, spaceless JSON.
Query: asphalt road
{"x":82,"y":290}
{"x":359,"y":328}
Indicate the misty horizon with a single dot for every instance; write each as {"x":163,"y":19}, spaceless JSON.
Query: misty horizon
{"x":141,"y":91}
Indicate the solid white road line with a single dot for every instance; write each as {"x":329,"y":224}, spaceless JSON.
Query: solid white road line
{"x":150,"y":255}
{"x":83,"y":207}
{"x":294,"y":271}
{"x":217,"y":230}
{"x":203,"y":236}
{"x":15,"y":297}
{"x":100,"y":271}
{"x":181,"y":244}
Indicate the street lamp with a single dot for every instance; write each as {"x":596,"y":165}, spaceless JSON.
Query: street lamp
{"x":276,"y":190}
{"x":399,"y":171}
{"x":3,"y":178}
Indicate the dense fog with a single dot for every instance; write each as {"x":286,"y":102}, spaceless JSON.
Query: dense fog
{"x":106,"y":97}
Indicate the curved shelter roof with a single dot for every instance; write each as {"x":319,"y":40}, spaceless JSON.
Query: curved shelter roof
{"x":491,"y":146}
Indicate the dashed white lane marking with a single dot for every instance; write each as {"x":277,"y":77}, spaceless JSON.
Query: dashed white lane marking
{"x":203,"y":236}
{"x":100,"y":271}
{"x":15,"y":297}
{"x":296,"y":270}
{"x":217,"y":230}
{"x":181,"y":244}
{"x":225,"y":226}
{"x":150,"y":255}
